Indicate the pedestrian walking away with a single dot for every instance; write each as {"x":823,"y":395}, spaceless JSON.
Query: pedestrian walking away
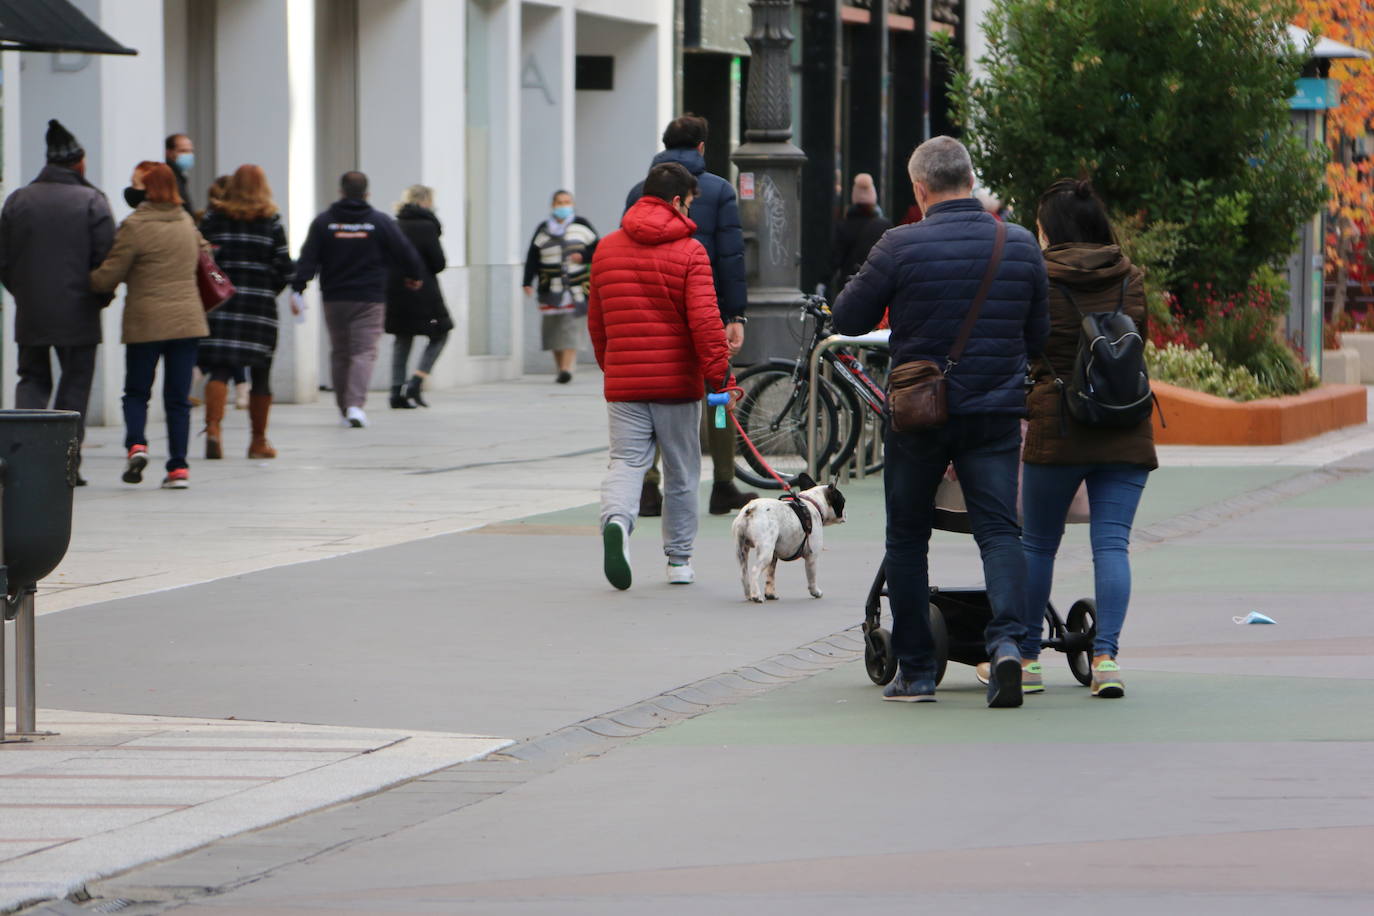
{"x":856,"y":234}
{"x":1087,"y":273}
{"x":657,"y":335}
{"x":52,"y":232}
{"x":921,"y":274}
{"x":412,"y":313}
{"x":154,"y":254}
{"x":244,"y":228}
{"x":353,"y":247}
{"x":715,"y":212}
{"x":560,"y":256}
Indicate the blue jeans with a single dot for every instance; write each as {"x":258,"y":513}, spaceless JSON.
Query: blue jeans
{"x":985,"y":449}
{"x":140,"y":363}
{"x":1113,"y":495}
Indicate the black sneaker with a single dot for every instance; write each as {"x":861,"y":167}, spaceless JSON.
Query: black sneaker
{"x":901,"y":690}
{"x":726,"y":497}
{"x":650,"y":501}
{"x":563,"y":378}
{"x":1004,"y":678}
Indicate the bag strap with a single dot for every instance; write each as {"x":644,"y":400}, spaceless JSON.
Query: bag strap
{"x":957,"y":351}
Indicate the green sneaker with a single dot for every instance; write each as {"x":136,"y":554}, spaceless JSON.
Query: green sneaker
{"x":1032,"y":678}
{"x":616,"y":559}
{"x":1107,"y":681}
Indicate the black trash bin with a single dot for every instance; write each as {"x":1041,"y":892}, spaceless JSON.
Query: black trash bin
{"x":39,"y":459}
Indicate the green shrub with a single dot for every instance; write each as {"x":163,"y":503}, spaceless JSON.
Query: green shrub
{"x":1199,"y":370}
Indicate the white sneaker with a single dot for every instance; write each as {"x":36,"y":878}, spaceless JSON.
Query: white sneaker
{"x":355,"y":417}
{"x":681,"y":574}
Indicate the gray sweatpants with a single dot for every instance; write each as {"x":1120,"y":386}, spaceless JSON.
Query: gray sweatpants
{"x":637,"y":428}
{"x":354,"y":329}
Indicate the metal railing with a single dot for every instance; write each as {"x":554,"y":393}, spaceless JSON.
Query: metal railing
{"x":873,"y":340}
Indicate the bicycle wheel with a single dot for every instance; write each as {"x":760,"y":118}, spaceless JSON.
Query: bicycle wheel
{"x":773,"y":415}
{"x":853,"y":412}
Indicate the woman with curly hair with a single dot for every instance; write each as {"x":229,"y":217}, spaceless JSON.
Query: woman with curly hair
{"x":249,"y":242}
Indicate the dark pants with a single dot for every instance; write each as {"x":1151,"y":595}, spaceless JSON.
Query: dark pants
{"x":35,"y":388}
{"x":140,"y":363}
{"x":400,"y":355}
{"x":261,"y":375}
{"x":985,"y":449}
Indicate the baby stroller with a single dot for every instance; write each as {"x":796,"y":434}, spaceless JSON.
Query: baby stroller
{"x":958,"y":616}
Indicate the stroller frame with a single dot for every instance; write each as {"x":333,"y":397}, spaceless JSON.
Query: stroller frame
{"x":958,"y":617}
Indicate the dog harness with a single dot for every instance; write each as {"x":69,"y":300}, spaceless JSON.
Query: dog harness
{"x":803,"y":516}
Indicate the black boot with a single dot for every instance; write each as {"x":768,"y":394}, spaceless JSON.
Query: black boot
{"x":726,"y":497}
{"x":413,"y":391}
{"x":650,"y":501}
{"x":398,"y":398}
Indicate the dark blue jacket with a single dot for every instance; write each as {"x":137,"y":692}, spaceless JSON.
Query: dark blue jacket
{"x":353,"y":248}
{"x":716,"y":214}
{"x":927,"y":274}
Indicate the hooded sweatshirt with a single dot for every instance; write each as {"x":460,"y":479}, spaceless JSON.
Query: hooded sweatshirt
{"x":652,"y":309}
{"x":1093,"y":276}
{"x":352,"y":247}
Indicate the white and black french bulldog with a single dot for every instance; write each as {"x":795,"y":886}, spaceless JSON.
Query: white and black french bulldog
{"x":769,"y":530}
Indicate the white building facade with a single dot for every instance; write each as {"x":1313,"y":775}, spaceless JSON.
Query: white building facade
{"x":478,"y":99}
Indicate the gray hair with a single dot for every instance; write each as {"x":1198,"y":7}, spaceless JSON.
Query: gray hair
{"x":418,"y":194}
{"x":942,"y":164}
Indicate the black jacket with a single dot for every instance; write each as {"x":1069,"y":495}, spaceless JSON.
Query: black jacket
{"x":855,"y":236}
{"x":53,"y":233}
{"x":716,"y":213}
{"x":927,"y":274}
{"x":352,"y":247}
{"x":420,"y":311}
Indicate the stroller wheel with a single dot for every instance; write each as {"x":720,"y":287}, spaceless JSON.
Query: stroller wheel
{"x":879,"y":658}
{"x":1081,"y":625}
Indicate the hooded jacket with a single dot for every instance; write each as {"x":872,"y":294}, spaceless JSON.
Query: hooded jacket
{"x":352,"y":247}
{"x":715,"y":212}
{"x":1093,"y":275}
{"x":53,"y":232}
{"x":652,"y":311}
{"x":412,"y":312}
{"x":928,"y":274}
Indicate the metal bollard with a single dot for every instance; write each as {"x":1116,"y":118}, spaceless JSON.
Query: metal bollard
{"x":25,"y":680}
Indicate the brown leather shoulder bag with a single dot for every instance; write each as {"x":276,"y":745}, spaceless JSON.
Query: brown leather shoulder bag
{"x":918,"y":397}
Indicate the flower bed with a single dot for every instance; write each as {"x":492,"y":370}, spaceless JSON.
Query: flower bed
{"x":1195,"y":418}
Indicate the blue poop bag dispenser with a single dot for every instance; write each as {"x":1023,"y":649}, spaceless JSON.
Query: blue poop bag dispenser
{"x":718,"y":400}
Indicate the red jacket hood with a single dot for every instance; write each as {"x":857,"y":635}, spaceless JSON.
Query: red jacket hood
{"x":654,"y":221}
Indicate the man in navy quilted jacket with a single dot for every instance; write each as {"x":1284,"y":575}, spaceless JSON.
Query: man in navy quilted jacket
{"x":926,"y":275}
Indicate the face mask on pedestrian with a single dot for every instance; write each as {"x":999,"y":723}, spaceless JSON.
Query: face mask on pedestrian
{"x":185,"y":161}
{"x":134,"y":196}
{"x":684,"y":206}
{"x":563,"y":212}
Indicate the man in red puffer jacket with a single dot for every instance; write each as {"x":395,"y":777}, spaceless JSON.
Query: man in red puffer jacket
{"x":657,"y":334}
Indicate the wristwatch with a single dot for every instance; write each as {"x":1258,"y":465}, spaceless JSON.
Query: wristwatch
{"x":737,"y":319}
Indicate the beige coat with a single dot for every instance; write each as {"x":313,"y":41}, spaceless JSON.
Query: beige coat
{"x":155,"y":253}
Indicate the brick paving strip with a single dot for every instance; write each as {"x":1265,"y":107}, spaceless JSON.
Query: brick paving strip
{"x":110,"y":792}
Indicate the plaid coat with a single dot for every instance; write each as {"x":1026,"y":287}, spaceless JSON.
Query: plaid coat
{"x":254,"y":255}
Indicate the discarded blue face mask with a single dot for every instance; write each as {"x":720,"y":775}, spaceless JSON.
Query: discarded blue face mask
{"x":1254,"y":617}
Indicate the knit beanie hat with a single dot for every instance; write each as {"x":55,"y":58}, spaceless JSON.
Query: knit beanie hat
{"x":864,"y":192}
{"x":62,"y":146}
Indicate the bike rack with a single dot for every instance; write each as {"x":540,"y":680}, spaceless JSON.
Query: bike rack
{"x":873,"y":340}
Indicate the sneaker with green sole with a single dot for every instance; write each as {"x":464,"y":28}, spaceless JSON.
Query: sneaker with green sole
{"x":615,"y":542}
{"x":1107,"y":682}
{"x":1032,"y":678}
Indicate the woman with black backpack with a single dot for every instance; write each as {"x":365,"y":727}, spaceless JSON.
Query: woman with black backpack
{"x":1064,"y":447}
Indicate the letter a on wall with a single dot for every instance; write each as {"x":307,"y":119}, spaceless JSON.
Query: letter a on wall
{"x":531,"y":77}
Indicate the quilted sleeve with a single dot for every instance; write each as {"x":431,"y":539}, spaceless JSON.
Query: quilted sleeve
{"x":703,"y":319}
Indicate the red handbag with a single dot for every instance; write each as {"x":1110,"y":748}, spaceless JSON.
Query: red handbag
{"x":215,"y":288}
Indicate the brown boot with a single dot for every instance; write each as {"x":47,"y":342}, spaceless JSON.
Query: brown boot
{"x":259,"y":405}
{"x":216,"y":394}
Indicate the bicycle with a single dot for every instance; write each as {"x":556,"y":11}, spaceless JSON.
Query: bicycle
{"x":772,"y":411}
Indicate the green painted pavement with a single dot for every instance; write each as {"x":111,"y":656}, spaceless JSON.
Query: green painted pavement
{"x":1350,"y":493}
{"x":842,"y":707}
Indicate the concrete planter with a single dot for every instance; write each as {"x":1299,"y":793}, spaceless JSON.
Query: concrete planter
{"x":1342,"y":367}
{"x":1362,"y":343}
{"x":1202,"y":419}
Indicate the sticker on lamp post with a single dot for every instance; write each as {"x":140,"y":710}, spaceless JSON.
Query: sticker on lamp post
{"x":746,"y":185}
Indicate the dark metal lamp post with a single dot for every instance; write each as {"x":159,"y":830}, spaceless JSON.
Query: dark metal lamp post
{"x":770,"y":168}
